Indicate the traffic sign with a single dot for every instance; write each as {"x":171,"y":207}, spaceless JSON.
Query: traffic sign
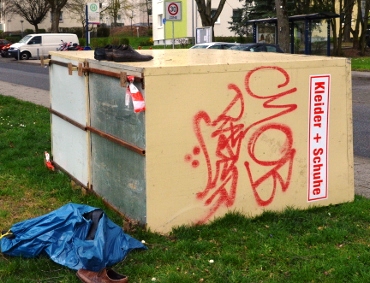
{"x":93,"y":13}
{"x":173,"y":11}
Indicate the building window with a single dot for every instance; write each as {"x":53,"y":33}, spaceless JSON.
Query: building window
{"x":160,"y":20}
{"x":237,"y":15}
{"x":218,"y":19}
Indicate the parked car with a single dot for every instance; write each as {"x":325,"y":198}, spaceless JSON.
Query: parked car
{"x":4,"y":50}
{"x":39,"y":44}
{"x":258,"y":47}
{"x":214,"y":45}
{"x":3,"y":42}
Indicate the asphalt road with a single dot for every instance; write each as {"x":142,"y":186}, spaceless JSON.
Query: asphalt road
{"x":361,"y":113}
{"x":22,"y":73}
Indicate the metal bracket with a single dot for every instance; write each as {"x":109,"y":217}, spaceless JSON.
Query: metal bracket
{"x":71,"y":68}
{"x":123,"y":79}
{"x":83,"y":69}
{"x":44,"y":61}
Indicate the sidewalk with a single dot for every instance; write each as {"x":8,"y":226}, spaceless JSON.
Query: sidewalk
{"x":41,"y":97}
{"x":362,"y":176}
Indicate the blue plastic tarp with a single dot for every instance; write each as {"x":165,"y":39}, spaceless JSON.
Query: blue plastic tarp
{"x":76,"y":236}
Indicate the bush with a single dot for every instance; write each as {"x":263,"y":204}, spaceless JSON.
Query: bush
{"x":76,"y":30}
{"x":114,"y":41}
{"x":103,"y":32}
{"x":28,"y":31}
{"x":13,"y":38}
{"x":82,"y":42}
{"x":148,"y":42}
{"x":297,"y":45}
{"x":226,"y":39}
{"x":125,"y":41}
{"x":99,"y":42}
{"x":119,"y":40}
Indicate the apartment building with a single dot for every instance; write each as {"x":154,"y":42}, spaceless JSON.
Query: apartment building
{"x":187,"y":20}
{"x":136,"y":14}
{"x":15,"y":23}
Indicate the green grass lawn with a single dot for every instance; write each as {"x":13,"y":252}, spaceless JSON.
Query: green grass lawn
{"x":329,"y":244}
{"x":360,"y":64}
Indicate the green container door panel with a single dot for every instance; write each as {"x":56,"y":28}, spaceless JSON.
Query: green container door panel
{"x":110,"y":114}
{"x":119,"y":176}
{"x":118,"y":172}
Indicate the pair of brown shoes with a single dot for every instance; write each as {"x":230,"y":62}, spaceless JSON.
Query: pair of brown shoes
{"x":106,"y":275}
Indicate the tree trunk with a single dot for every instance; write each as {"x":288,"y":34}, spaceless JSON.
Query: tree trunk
{"x":205,"y":13}
{"x":56,"y":7}
{"x":356,"y":31}
{"x":55,"y":21}
{"x":364,"y":28}
{"x":282,"y":26}
{"x":337,"y":38}
{"x":347,"y":11}
{"x":333,"y":25}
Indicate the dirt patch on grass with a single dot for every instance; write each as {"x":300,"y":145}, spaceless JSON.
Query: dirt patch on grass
{"x":354,"y":52}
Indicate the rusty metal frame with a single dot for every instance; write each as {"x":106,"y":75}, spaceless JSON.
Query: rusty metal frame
{"x":99,"y":132}
{"x":57,"y":166}
{"x":69,"y":120}
{"x":89,"y":189}
{"x":84,"y":68}
{"x":116,"y":140}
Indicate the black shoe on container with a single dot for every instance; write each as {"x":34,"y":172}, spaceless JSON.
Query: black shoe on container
{"x":126,"y":53}
{"x":109,"y":52}
{"x":99,"y":54}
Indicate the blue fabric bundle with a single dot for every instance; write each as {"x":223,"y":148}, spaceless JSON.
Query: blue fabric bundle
{"x":76,"y":236}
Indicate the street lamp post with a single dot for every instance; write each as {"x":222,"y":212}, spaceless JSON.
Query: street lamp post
{"x":22,"y":27}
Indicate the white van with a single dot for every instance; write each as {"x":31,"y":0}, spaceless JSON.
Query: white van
{"x":39,"y":44}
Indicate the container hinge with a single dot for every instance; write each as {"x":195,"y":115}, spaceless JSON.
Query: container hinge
{"x":44,"y":62}
{"x":71,"y":68}
{"x":83,"y":69}
{"x":123,"y":79}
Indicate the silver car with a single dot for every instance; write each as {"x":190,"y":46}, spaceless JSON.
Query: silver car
{"x":214,"y":45}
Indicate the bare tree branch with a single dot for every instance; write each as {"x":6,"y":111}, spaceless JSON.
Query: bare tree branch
{"x":33,"y":11}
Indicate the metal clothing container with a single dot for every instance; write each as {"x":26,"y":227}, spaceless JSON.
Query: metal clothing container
{"x":222,"y":131}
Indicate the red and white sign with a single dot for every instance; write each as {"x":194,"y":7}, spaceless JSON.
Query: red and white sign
{"x":318,"y":137}
{"x":173,"y":11}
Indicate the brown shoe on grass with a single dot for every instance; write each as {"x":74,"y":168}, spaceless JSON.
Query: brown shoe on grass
{"x":106,"y":275}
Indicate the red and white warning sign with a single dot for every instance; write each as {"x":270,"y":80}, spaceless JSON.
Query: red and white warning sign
{"x":173,"y":11}
{"x":318,"y":137}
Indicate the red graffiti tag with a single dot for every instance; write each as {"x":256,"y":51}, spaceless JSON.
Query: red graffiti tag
{"x":226,"y":138}
{"x":287,"y":156}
